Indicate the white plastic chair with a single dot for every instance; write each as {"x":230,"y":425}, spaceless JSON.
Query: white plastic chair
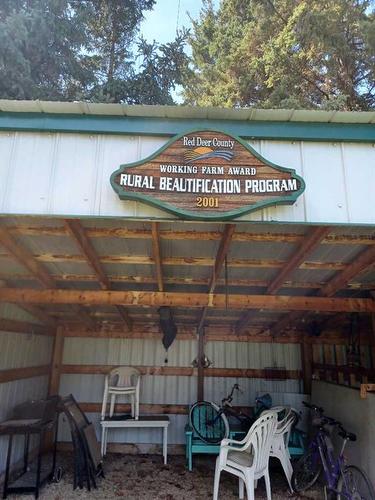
{"x":122,"y":381}
{"x":248,"y":459}
{"x":279,"y":446}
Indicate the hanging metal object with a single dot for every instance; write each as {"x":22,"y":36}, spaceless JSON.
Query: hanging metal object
{"x":168,"y":327}
{"x":353,"y":349}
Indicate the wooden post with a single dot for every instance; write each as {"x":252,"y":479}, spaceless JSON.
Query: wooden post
{"x":56,"y":362}
{"x":373,"y":340}
{"x":200,"y":385}
{"x":307,"y":357}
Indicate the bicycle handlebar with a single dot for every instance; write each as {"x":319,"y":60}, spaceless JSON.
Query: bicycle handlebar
{"x":324,"y":420}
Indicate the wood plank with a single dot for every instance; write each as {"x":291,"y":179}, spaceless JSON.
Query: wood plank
{"x":78,"y":233}
{"x":22,"y":373}
{"x":79,"y":236}
{"x":184,"y":261}
{"x":56,"y":362}
{"x":12,"y":325}
{"x":128,"y":233}
{"x":187,"y":371}
{"x":308,"y":244}
{"x":361,"y":262}
{"x":156,"y":299}
{"x":353,"y":285}
{"x":156,"y":254}
{"x":148,"y":409}
{"x":25,"y":258}
{"x":39,"y":314}
{"x":201,"y":370}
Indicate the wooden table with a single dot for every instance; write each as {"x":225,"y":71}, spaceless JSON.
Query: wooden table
{"x":149,"y":421}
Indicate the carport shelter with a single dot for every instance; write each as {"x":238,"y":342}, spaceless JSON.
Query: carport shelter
{"x":254,"y":227}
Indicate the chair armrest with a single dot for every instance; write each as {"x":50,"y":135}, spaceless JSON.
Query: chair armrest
{"x":228,"y":442}
{"x":188,"y":429}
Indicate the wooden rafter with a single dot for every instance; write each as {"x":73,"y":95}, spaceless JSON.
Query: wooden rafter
{"x":156,"y":253}
{"x":309,"y":243}
{"x":157,"y":299}
{"x":218,"y":265}
{"x":26,"y":259}
{"x":12,"y":325}
{"x":364,"y":260}
{"x":78,"y":233}
{"x":128,"y":233}
{"x":361,"y":262}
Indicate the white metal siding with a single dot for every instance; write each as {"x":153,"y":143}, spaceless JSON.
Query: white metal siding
{"x":19,"y":350}
{"x":157,"y":389}
{"x":68,"y":174}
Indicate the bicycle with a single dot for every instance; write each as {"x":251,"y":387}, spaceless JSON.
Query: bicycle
{"x":347,"y":482}
{"x":210,"y":421}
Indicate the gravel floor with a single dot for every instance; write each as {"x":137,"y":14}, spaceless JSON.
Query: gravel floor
{"x":144,"y":477}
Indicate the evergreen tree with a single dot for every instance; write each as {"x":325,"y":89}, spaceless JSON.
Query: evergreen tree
{"x":284,"y":53}
{"x":85,"y":49}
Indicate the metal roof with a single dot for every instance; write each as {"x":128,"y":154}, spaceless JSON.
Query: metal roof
{"x":186,"y":112}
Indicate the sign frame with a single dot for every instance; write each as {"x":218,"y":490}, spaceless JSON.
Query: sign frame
{"x":211,"y":216}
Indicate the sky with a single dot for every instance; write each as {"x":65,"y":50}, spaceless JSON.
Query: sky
{"x":160,"y":23}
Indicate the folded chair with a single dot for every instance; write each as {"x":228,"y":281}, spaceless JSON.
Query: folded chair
{"x":122,"y":381}
{"x":248,"y":459}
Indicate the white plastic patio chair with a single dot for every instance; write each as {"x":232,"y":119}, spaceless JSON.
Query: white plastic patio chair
{"x":122,"y":381}
{"x":248,"y":459}
{"x":279,"y":446}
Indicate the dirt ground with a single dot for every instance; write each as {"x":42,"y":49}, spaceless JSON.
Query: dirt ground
{"x":145,"y":477}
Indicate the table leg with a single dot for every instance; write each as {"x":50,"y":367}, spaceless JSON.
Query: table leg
{"x":165,"y":444}
{"x":102,"y":443}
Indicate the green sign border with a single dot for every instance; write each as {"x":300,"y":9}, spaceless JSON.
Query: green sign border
{"x":212,"y":216}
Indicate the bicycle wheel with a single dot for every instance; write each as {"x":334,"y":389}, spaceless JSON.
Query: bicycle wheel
{"x":306,"y":471}
{"x":209,"y":422}
{"x":353,"y":484}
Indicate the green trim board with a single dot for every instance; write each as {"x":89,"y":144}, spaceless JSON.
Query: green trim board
{"x":126,"y":125}
{"x":207,"y":175}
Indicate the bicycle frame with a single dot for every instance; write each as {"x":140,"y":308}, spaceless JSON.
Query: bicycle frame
{"x":324,"y":450}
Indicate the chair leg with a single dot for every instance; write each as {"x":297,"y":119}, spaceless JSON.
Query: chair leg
{"x":268,"y":484}
{"x":132,"y":405}
{"x":112,"y":408}
{"x":249,"y":481}
{"x":241,"y":489}
{"x":104,"y":404}
{"x":217,"y":480}
{"x":288,"y":470}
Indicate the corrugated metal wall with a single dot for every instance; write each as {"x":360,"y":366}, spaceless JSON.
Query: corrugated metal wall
{"x":20,"y":350}
{"x":38,"y":169}
{"x":157,"y":389}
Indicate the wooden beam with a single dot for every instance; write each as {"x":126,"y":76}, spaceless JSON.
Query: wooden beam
{"x":148,"y":409}
{"x":128,"y":233}
{"x":56,"y":362}
{"x":187,"y":371}
{"x":22,"y":373}
{"x":218,"y":266}
{"x":12,"y":325}
{"x":309,"y":243}
{"x":38,"y":313}
{"x":186,"y":261}
{"x":201,"y":371}
{"x":156,"y":254}
{"x":361,"y":262}
{"x":25,"y":258}
{"x":157,"y":299}
{"x":77,"y":231}
{"x":221,"y":255}
{"x":244,"y":320}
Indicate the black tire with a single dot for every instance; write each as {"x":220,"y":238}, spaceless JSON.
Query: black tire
{"x":354,"y":484}
{"x":208,"y":422}
{"x":306,"y":471}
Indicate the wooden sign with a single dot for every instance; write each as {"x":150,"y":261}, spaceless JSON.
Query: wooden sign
{"x":207,"y":175}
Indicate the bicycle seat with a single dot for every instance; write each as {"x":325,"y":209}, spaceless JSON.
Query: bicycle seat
{"x":347,"y":435}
